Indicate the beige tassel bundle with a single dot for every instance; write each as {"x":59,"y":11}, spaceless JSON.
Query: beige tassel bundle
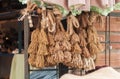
{"x":43,"y":42}
{"x":89,"y":41}
{"x":58,"y":40}
{"x":94,"y":45}
{"x":74,"y":38}
{"x":33,"y":47}
{"x":42,"y":50}
{"x":76,"y":60}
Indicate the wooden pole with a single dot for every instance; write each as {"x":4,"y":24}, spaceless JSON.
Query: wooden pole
{"x":26,"y":43}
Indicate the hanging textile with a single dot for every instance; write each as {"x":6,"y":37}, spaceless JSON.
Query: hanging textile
{"x":102,"y":3}
{"x":86,"y":7}
{"x":117,"y":5}
{"x":62,"y":3}
{"x":76,"y":3}
{"x":104,"y":7}
{"x":116,"y":1}
{"x":17,"y":67}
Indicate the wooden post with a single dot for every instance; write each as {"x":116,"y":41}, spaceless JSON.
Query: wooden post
{"x":26,"y":43}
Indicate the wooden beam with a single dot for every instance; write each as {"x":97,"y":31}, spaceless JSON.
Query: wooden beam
{"x":9,"y":15}
{"x":5,"y":21}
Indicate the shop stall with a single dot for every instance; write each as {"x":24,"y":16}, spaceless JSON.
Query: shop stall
{"x":61,"y":39}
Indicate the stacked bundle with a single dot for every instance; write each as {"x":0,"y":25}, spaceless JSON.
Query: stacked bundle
{"x":49,"y":41}
{"x":89,"y":41}
{"x":51,"y":44}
